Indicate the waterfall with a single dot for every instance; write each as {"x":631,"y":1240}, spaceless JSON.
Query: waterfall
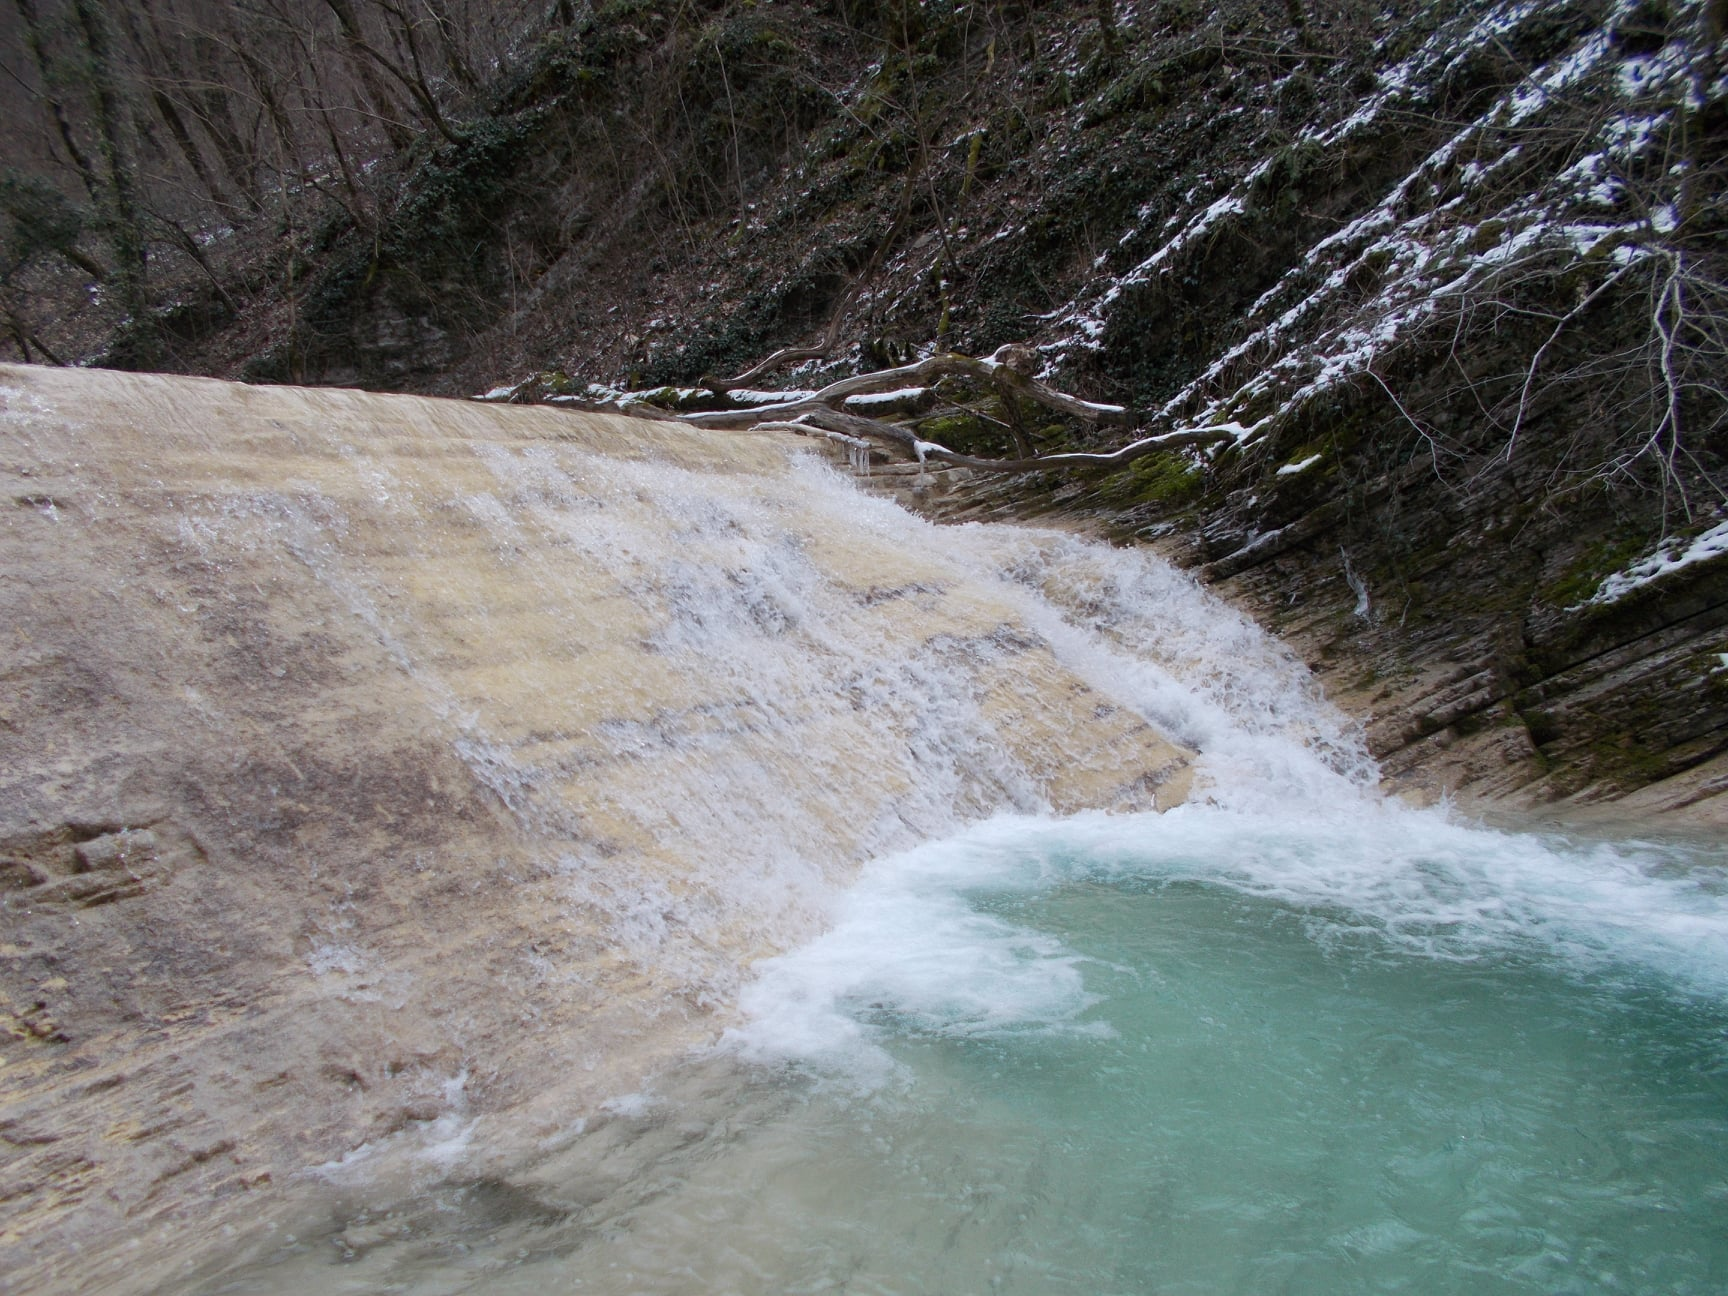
{"x":469,"y":757}
{"x":460,"y":773}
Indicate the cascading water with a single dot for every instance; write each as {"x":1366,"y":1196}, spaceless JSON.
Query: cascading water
{"x":1284,"y":1036}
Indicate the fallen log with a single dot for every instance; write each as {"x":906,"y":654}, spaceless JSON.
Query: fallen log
{"x":832,"y":412}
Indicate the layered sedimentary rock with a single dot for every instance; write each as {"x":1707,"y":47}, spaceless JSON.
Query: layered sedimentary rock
{"x":374,"y":766}
{"x":1552,"y":676}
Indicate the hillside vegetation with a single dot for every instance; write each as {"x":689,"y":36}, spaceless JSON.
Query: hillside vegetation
{"x":1456,"y":273}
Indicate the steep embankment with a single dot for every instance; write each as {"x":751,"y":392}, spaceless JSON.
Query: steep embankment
{"x":374,"y":766}
{"x":1458,"y":271}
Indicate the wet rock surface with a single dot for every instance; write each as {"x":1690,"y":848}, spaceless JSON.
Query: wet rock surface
{"x":1484,"y":673}
{"x":360,"y":800}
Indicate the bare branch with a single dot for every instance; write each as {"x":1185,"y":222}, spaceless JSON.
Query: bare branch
{"x":824,"y":414}
{"x":1160,"y":444}
{"x":1536,"y":359}
{"x":1007,"y":365}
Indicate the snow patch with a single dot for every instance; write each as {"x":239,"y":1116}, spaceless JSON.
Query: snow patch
{"x":755,"y":396}
{"x":870,"y":400}
{"x":1663,"y":561}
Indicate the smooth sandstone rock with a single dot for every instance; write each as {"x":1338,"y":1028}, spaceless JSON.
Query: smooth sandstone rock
{"x":371,"y":777}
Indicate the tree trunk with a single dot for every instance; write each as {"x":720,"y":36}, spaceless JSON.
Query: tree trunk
{"x":360,"y":57}
{"x":1107,"y":27}
{"x":125,"y":218}
{"x":209,"y":102}
{"x":34,"y":37}
{"x":450,"y":46}
{"x":146,"y":41}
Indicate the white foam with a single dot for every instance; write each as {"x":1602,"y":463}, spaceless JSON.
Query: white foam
{"x":911,"y":950}
{"x":907,"y":945}
{"x":1149,"y":637}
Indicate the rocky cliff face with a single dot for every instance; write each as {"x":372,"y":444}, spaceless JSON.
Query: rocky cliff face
{"x":1493,"y":690}
{"x":394,"y":779}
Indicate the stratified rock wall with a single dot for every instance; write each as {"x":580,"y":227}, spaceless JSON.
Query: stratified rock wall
{"x":1515,"y":667}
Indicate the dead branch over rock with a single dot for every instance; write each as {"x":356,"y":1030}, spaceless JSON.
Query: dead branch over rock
{"x":840,"y":411}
